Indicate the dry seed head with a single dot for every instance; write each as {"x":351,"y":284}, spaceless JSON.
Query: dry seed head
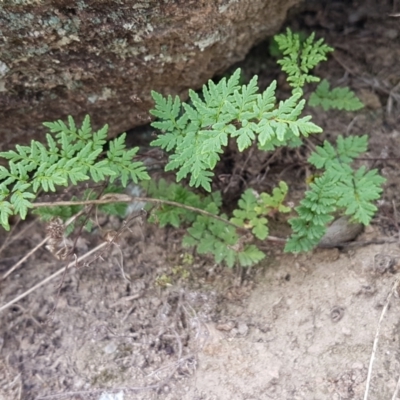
{"x":58,"y":245}
{"x":55,"y":229}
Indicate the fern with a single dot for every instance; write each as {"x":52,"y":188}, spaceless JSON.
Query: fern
{"x":338,"y":98}
{"x":339,"y":188}
{"x":72,"y":155}
{"x":198,"y":132}
{"x":166,"y":214}
{"x":300,"y":57}
{"x":205,"y":233}
{"x":214,"y":237}
{"x":119,"y":161}
{"x":195,"y":134}
{"x":253,"y":210}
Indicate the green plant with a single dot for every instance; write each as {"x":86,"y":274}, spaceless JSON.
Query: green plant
{"x":339,"y":98}
{"x":72,"y":155}
{"x":210,"y":235}
{"x":254,"y":208}
{"x":300,"y":57}
{"x":195,"y":135}
{"x":340,"y":187}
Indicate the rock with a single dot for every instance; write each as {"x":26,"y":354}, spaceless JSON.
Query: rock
{"x":340,"y":232}
{"x":243,"y":329}
{"x":60,"y":58}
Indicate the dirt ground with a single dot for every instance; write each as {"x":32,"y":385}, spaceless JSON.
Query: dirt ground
{"x":148,"y":320}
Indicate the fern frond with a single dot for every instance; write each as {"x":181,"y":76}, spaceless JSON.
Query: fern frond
{"x":72,"y":155}
{"x":338,"y":98}
{"x":347,"y":149}
{"x":357,"y":193}
{"x":253,"y":208}
{"x":226,"y":111}
{"x":339,"y":188}
{"x":300,"y":57}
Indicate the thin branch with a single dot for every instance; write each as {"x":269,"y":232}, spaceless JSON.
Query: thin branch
{"x":396,"y":390}
{"x":124,"y":198}
{"x":23,"y":259}
{"x":117,"y":198}
{"x":376,"y":340}
{"x":10,"y":238}
{"x":37,"y":247}
{"x":51,"y":277}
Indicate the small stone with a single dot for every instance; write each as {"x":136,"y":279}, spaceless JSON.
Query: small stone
{"x":346,"y":331}
{"x":340,"y":231}
{"x":110,"y":348}
{"x":227,"y":326}
{"x":243,"y":329}
{"x":391,"y":33}
{"x":357,"y":365}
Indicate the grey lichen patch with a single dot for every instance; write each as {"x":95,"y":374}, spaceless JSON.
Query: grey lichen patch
{"x":106,"y":94}
{"x":81,"y":5}
{"x":149,"y":57}
{"x":93,"y":98}
{"x":51,"y":21}
{"x":207,"y":42}
{"x":3,"y":68}
{"x":17,"y":20}
{"x":123,"y":49}
{"x":224,"y":7}
{"x":36,"y":34}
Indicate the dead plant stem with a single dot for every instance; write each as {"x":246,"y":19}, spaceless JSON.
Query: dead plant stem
{"x":51,"y":277}
{"x":23,"y":259}
{"x":130,"y":199}
{"x":36,"y":248}
{"x":376,"y":340}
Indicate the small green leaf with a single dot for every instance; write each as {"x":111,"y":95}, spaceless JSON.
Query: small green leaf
{"x":338,"y":98}
{"x":250,"y":256}
{"x":6,"y":210}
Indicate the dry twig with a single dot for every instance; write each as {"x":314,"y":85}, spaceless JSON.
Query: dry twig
{"x":376,"y":340}
{"x":51,"y":277}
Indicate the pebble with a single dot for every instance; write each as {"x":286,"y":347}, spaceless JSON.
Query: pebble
{"x":339,"y":232}
{"x":243,"y":329}
{"x":110,"y":348}
{"x":391,"y":33}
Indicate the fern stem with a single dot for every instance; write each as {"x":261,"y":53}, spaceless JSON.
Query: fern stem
{"x":118,"y":198}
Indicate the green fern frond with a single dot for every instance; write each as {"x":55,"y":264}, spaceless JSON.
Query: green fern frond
{"x":170,"y":215}
{"x":347,"y":149}
{"x":300,"y":57}
{"x":227,"y":110}
{"x":338,"y":98}
{"x":72,"y":155}
{"x":339,"y":188}
{"x":254,"y":208}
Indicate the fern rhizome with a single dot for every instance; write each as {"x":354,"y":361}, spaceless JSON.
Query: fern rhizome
{"x":195,"y":135}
